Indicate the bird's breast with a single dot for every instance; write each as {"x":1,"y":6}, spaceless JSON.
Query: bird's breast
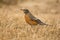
{"x":29,"y":21}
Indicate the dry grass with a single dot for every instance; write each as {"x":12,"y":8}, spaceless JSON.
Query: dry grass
{"x":14,"y":27}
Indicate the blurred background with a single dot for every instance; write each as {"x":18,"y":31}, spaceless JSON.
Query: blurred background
{"x":14,"y":27}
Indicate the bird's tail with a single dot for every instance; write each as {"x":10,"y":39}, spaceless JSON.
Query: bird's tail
{"x":41,"y":23}
{"x":45,"y":24}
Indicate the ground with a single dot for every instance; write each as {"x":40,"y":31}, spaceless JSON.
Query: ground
{"x":14,"y":27}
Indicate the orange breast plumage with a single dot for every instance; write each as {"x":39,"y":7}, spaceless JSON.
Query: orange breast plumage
{"x":29,"y":21}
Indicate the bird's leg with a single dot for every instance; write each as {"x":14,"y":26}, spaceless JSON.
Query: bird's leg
{"x":37,"y":29}
{"x":29,"y":29}
{"x":32,"y":28}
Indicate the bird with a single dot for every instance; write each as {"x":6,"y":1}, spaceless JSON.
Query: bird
{"x":31,"y":19}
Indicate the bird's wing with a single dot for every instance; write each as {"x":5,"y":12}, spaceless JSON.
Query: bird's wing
{"x":40,"y":22}
{"x":32,"y":17}
{"x":35,"y":19}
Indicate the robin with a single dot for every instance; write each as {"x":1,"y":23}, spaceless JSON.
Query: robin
{"x":30,"y":19}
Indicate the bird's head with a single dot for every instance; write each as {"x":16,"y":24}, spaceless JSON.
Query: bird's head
{"x":25,"y":10}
